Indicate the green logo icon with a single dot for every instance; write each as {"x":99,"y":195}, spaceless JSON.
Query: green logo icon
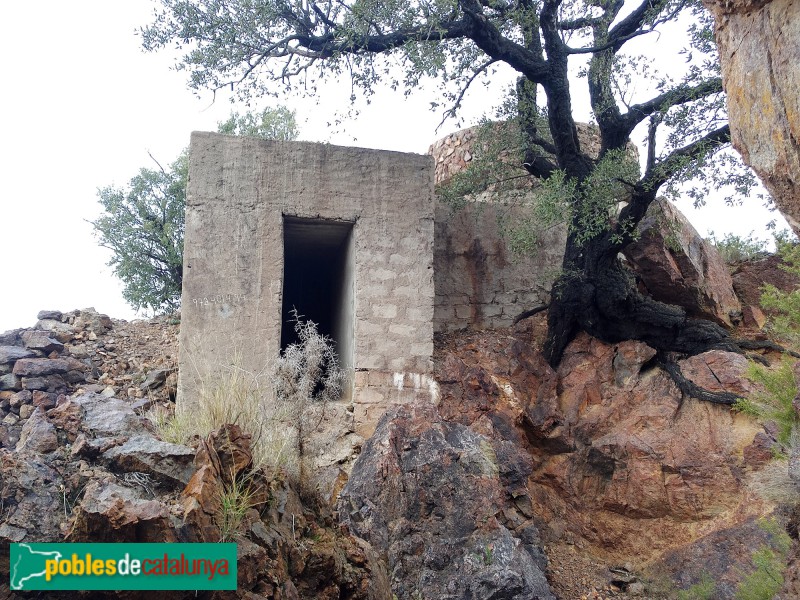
{"x":123,"y":567}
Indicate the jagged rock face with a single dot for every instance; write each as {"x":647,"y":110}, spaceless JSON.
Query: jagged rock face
{"x":91,"y":470}
{"x":759,"y":43}
{"x":605,"y":453}
{"x":433,"y":495}
{"x":677,"y":266}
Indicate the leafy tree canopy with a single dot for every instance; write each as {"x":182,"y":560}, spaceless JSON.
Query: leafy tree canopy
{"x":262,"y":47}
{"x":143,"y":223}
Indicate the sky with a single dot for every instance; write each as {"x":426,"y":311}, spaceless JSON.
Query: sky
{"x":83,"y":105}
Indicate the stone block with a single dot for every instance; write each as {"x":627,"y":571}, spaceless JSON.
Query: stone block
{"x":369,"y":395}
{"x":387,"y":311}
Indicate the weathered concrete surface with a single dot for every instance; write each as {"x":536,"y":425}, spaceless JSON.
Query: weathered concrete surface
{"x":239,"y":191}
{"x":479,"y":281}
{"x":759,"y":43}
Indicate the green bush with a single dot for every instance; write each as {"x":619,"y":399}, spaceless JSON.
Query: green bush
{"x":703,"y":590}
{"x":143,"y":224}
{"x":784,"y":323}
{"x":735,"y":249}
{"x":775,"y":402}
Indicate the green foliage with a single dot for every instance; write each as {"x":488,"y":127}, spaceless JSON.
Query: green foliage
{"x":703,"y":590}
{"x":235,"y":500}
{"x":780,"y":540}
{"x":608,"y":184}
{"x":785,"y":321}
{"x":143,"y":223}
{"x":775,"y":403}
{"x":496,"y":175}
{"x":767,"y":578}
{"x":270,"y":124}
{"x":734,"y":249}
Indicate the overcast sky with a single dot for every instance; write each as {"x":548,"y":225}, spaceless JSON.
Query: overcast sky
{"x":82,"y":106}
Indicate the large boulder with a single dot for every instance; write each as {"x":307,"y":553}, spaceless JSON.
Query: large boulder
{"x":677,"y":266}
{"x":167,"y":462}
{"x":113,"y":513}
{"x":750,"y":276}
{"x":759,"y":47}
{"x":606,"y":455}
{"x":38,"y":434}
{"x":431,"y":494}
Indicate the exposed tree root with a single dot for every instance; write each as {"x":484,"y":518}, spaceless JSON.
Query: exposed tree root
{"x":689,"y":388}
{"x":608,"y":306}
{"x":529,"y":313}
{"x":765,"y":345}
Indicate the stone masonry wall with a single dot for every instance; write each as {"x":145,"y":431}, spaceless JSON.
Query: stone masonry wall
{"x":239,"y":190}
{"x":479,"y":283}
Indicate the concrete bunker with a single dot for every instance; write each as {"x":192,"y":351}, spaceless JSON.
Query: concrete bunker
{"x":345,"y":235}
{"x":318,"y":268}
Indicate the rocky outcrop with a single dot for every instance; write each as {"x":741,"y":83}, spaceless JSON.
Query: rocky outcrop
{"x":677,"y":266}
{"x":605,"y":455}
{"x":759,"y":43}
{"x":432,"y":494}
{"x":749,"y":277}
{"x":84,"y":466}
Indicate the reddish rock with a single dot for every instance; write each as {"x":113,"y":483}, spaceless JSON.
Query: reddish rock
{"x":750,"y":276}
{"x":44,"y":400}
{"x":718,"y":371}
{"x":621,"y":461}
{"x":227,"y":450}
{"x":678,"y":267}
{"x":762,"y":88}
{"x":201,"y":505}
{"x":760,"y":452}
{"x":67,"y":417}
{"x":38,"y":435}
{"x":753,"y":316}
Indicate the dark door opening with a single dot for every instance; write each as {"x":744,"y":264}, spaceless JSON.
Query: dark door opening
{"x":318,"y":270}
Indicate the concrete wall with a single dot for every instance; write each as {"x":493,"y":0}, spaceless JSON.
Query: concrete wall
{"x":239,"y":189}
{"x":479,"y":282}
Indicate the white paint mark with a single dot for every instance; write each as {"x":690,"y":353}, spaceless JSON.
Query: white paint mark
{"x":397,"y":380}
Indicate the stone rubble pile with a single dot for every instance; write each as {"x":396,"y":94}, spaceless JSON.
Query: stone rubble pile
{"x":452,"y":154}
{"x":79,"y":462}
{"x":82,"y":351}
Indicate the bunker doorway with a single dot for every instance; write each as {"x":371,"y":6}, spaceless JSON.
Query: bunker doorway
{"x":318,"y":267}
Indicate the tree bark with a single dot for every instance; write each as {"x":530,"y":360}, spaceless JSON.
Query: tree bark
{"x":598,"y":294}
